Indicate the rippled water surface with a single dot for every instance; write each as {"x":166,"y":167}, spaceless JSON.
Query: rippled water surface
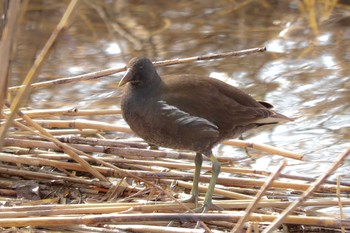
{"x":304,"y":73}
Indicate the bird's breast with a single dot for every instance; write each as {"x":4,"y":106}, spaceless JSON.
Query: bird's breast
{"x":140,"y":112}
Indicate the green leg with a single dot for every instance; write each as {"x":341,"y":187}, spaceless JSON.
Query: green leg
{"x":215,"y":173}
{"x":208,"y":196}
{"x":194,"y":192}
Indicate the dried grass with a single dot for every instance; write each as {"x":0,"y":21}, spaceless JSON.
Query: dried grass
{"x":67,"y":175}
{"x":68,"y":194}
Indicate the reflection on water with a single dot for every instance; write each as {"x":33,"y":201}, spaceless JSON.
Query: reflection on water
{"x":304,"y":74}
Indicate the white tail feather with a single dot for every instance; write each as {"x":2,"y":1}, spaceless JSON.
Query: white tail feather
{"x":274,"y":119}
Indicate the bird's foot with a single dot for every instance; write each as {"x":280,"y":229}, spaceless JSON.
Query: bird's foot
{"x":191,"y":199}
{"x":206,"y":207}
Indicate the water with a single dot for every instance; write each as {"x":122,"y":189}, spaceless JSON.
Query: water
{"x":304,"y":73}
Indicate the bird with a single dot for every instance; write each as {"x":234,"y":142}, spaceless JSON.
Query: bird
{"x":189,"y":112}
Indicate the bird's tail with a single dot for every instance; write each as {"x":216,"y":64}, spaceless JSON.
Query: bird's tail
{"x":276,"y":118}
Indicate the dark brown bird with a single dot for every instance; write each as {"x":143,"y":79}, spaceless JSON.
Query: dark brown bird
{"x":189,"y":112}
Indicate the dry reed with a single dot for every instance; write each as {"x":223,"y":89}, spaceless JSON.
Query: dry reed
{"x":76,"y":175}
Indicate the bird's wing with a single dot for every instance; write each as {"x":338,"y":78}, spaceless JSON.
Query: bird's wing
{"x":185,"y":123}
{"x":213,"y":100}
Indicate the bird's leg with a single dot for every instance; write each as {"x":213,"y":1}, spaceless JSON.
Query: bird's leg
{"x":194,"y":192}
{"x":208,"y":196}
{"x":215,"y":173}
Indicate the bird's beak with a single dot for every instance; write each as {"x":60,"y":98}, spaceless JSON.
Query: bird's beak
{"x":126,"y":78}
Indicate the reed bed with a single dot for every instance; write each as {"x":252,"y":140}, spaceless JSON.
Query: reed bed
{"x":88,"y":176}
{"x":127,"y":186}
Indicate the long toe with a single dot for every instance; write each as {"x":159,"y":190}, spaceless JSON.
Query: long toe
{"x":208,"y":206}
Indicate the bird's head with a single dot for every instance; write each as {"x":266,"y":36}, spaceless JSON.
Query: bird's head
{"x":140,"y":72}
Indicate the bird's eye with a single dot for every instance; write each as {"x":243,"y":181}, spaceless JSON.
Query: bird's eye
{"x":140,"y":67}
